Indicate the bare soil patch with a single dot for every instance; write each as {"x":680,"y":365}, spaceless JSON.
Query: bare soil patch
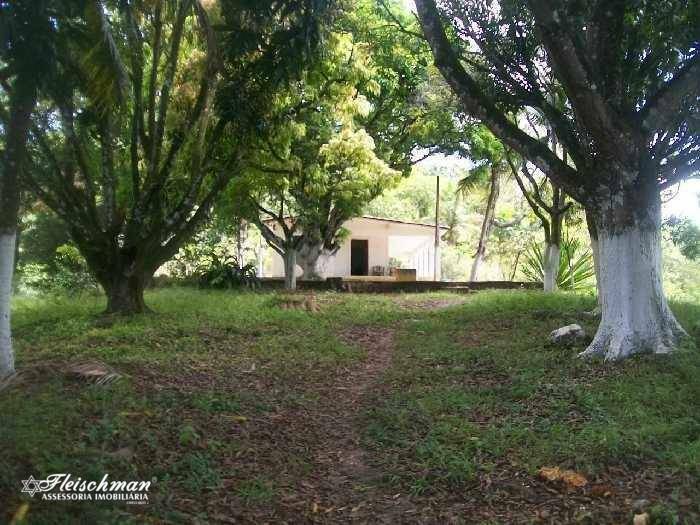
{"x":430,"y":304}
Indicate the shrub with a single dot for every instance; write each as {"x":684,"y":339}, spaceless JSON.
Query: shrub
{"x":67,"y":273}
{"x":225,"y":272}
{"x":575,"y":265}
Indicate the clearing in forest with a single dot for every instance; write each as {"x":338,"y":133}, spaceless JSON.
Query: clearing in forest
{"x":432,"y":408}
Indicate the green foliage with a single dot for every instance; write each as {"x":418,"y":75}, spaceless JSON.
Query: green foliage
{"x":685,"y":234}
{"x":680,"y":275}
{"x":256,"y":491}
{"x":72,"y":271}
{"x":41,"y":233}
{"x":226,"y":272}
{"x":575,"y":265}
{"x":412,"y":113}
{"x":188,"y":435}
{"x":198,"y":472}
{"x":67,"y":273}
{"x":219,"y":239}
{"x":313,"y":161}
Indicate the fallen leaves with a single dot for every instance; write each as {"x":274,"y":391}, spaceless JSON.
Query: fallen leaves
{"x":95,"y":372}
{"x":20,"y":515}
{"x":90,"y":371}
{"x":236,"y":419}
{"x":569,"y":477}
{"x":602,"y":490}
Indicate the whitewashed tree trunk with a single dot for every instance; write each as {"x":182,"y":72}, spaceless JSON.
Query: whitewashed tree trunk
{"x":290,"y":269}
{"x":596,"y":266}
{"x":550,"y":264}
{"x":7,"y":256}
{"x":478,"y":259}
{"x":635,"y":317}
{"x":311,"y":258}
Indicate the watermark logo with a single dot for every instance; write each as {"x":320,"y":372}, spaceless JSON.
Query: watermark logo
{"x":31,"y":486}
{"x":63,"y":487}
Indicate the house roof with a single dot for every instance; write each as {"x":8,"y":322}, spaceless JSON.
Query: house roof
{"x":397,"y":221}
{"x":383,"y":219}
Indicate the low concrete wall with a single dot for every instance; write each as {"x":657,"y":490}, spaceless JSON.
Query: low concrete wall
{"x":384,"y":286}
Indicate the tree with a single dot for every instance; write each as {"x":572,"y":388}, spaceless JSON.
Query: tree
{"x":409,"y":113}
{"x":25,"y":57}
{"x":550,"y":214}
{"x":351,"y":176}
{"x":413,"y":114}
{"x":685,"y":234}
{"x":489,"y":154}
{"x":134,"y":179}
{"x":117,"y":179}
{"x":315,"y":168}
{"x":628,"y":73}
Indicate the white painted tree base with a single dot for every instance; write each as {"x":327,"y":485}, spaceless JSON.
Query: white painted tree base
{"x":474,"y":274}
{"x":552,"y":254}
{"x":314,"y":263}
{"x":7,"y":259}
{"x":635,"y":317}
{"x":596,"y":266}
{"x":290,"y":269}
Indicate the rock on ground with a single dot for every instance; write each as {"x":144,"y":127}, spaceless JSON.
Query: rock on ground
{"x":567,"y":334}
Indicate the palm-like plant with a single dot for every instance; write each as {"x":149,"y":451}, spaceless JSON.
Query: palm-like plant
{"x":575,"y":265}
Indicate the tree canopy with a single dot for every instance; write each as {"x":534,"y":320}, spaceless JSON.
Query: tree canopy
{"x":617,"y":85}
{"x":127,"y":145}
{"x":313,"y":166}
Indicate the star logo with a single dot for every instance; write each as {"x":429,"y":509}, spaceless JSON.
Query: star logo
{"x":31,"y":486}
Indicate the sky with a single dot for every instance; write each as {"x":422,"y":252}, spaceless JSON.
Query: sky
{"x":686,"y":203}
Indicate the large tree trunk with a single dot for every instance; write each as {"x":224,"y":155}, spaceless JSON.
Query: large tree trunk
{"x":635,"y":315}
{"x":486,"y":225}
{"x":310,"y":258}
{"x":22,"y":102}
{"x":125,"y":293}
{"x":7,"y":255}
{"x":290,"y":269}
{"x":550,"y":266}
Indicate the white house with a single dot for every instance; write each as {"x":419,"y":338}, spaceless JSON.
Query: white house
{"x":372,"y":247}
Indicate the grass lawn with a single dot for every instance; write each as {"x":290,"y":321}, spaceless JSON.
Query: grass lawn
{"x":377,"y":408}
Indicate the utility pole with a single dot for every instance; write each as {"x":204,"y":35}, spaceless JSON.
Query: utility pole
{"x":436,"y":251}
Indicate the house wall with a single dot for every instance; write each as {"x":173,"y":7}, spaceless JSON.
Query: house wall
{"x":417,"y":243}
{"x":375,"y":232}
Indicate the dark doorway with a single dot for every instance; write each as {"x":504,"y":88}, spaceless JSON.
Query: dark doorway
{"x":359,"y":257}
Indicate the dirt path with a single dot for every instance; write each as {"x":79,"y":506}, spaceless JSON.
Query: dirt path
{"x":340,"y":484}
{"x":345,"y":452}
{"x":343,"y":483}
{"x":430,"y":304}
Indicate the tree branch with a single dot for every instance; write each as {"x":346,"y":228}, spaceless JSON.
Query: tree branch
{"x":482,"y":107}
{"x":664,"y":106}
